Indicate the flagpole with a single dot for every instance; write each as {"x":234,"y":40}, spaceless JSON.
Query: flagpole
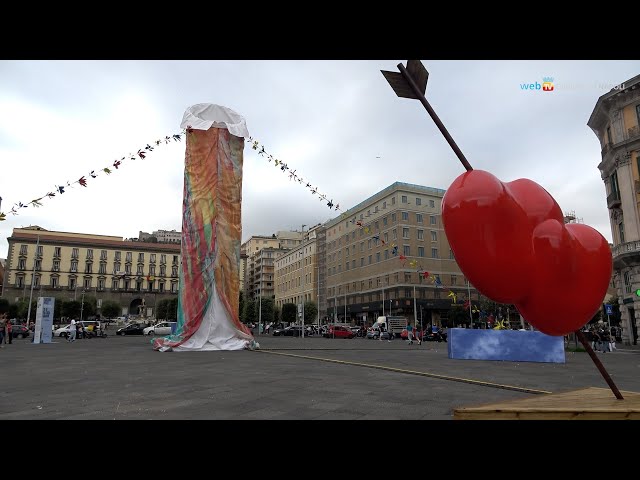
{"x":415,"y":309}
{"x":470,"y":313}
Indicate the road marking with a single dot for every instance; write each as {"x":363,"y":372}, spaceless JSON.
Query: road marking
{"x":414,"y":372}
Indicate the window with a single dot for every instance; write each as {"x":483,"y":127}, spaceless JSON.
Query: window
{"x":405,"y":216}
{"x":138,"y":285}
{"x":116,"y":268}
{"x":39,"y":251}
{"x":117,"y":259}
{"x":103,"y":268}
{"x":434,"y":236}
{"x":129,"y":256}
{"x":432,"y":204}
{"x":353,"y":236}
{"x":101,"y":284}
{"x":393,"y":217}
{"x":370,"y":257}
{"x":432,"y":220}
{"x":161,"y":287}
{"x":609,"y":140}
{"x":370,"y":283}
{"x":454,"y":280}
{"x":638,"y":113}
{"x":141,"y":257}
{"x":378,"y":257}
{"x":74,"y":266}
{"x":103,"y":254}
{"x":418,"y":201}
{"x":405,"y":232}
{"x":22,"y":264}
{"x":127,"y":284}
{"x":377,"y":225}
{"x":385,"y":236}
{"x":174,"y":287}
{"x":139,"y":270}
{"x":153,"y":258}
{"x":384,"y":205}
{"x":404,"y":199}
{"x":74,"y":253}
{"x":127,"y":269}
{"x":420,"y":234}
{"x":418,"y":218}
{"x":386,"y":254}
{"x":23,"y":249}
{"x":36,"y":281}
{"x":90,"y":253}
{"x":627,"y":282}
{"x":394,"y":234}
{"x":56,"y":251}
{"x":175,"y":259}
{"x":54,"y":282}
{"x":393,"y":200}
{"x":353,"y":264}
{"x":150,"y":285}
{"x":88,"y":267}
{"x":163,"y":258}
{"x":87,"y":283}
{"x":421,"y":251}
{"x":434,"y":253}
{"x":38,"y":264}
{"x":361,"y":247}
{"x":384,"y":222}
{"x":346,"y":252}
{"x":407,"y":279}
{"x":407,"y":250}
{"x":369,"y":244}
{"x":346,"y":267}
{"x":621,"y":230}
{"x":152,"y":269}
{"x":114,"y":283}
{"x":174,"y":271}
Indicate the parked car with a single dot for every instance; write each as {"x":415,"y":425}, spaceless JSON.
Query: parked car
{"x":162,"y":328}
{"x":64,"y":331}
{"x":290,"y":331}
{"x":19,"y":331}
{"x":131,"y":329}
{"x":338,"y":331}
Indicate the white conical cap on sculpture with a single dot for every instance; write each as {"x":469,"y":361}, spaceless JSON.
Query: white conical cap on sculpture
{"x":203,"y":116}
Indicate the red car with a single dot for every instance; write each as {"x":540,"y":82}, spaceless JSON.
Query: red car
{"x":338,"y":331}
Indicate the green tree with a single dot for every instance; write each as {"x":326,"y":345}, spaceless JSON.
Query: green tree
{"x":110,"y":309}
{"x":4,"y":305}
{"x":70,"y":308}
{"x":13,"y":310}
{"x":22,"y":309}
{"x":310,"y":312}
{"x":250,"y":311}
{"x":268,"y":308}
{"x":289,"y":312}
{"x":277,"y":315}
{"x":458,"y":315}
{"x":172,"y":309}
{"x":162,"y":309}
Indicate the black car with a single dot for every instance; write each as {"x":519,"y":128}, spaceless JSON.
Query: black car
{"x":292,"y":331}
{"x":19,"y":331}
{"x":131,"y":329}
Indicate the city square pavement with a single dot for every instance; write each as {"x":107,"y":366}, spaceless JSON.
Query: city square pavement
{"x":119,"y":378}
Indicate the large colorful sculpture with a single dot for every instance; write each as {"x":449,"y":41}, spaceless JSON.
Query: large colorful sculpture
{"x":211,"y":234}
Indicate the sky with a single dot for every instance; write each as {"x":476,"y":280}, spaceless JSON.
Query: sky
{"x":337,"y":123}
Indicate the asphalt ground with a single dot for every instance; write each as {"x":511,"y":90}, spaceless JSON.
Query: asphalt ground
{"x":119,"y":378}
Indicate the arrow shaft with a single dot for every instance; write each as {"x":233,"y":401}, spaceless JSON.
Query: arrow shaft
{"x":435,"y":117}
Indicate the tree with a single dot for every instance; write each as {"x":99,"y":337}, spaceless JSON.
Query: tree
{"x":161,"y":309}
{"x":310,"y":312}
{"x":22,"y":309}
{"x":268,"y":307}
{"x":250,"y":312}
{"x":172,"y":309}
{"x":110,"y":309}
{"x":4,"y":305}
{"x":289,"y":312}
{"x":277,"y":315}
{"x":70,"y":308}
{"x":458,"y":315}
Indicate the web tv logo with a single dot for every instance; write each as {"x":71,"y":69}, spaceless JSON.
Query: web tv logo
{"x":546,"y":86}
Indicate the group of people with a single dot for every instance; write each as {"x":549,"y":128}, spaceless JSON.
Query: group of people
{"x":602,"y":339}
{"x":78,"y":330}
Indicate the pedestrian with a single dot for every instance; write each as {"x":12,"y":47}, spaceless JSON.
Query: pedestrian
{"x":9,"y":331}
{"x":72,"y":332}
{"x":410,"y":333}
{"x":3,"y":322}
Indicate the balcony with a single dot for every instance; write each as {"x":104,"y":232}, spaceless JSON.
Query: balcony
{"x":613,"y":200}
{"x":633,"y":132}
{"x":626,"y":254}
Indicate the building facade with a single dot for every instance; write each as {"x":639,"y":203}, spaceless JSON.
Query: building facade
{"x":297,"y":271}
{"x":63,"y":265}
{"x":616,"y":122}
{"x":364,"y":279}
{"x":2,"y":263}
{"x":162,"y":236}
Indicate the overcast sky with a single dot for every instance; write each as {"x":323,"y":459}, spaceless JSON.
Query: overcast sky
{"x":329,"y":120}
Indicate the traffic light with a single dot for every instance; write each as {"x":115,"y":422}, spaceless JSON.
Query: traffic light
{"x":638,"y":292}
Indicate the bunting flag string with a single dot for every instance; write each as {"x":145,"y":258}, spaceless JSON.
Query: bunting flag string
{"x":83,"y":181}
{"x":292,"y":173}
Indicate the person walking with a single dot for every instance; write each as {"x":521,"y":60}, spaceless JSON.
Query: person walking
{"x":410,"y":333}
{"x":9,"y":332}
{"x":72,"y":331}
{"x":3,"y":322}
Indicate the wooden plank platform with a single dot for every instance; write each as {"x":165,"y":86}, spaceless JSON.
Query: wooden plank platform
{"x":586,"y":404}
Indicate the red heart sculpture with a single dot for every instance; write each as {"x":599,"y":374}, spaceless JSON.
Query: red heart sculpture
{"x":511,"y":242}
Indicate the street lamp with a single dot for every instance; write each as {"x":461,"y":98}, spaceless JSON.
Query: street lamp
{"x":82,"y":304}
{"x":302,"y":322}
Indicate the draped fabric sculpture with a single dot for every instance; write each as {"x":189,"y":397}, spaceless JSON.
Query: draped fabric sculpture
{"x":211,"y":234}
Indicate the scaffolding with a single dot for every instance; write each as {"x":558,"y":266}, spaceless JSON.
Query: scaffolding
{"x":570,"y":217}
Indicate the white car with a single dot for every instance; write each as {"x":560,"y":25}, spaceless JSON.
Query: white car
{"x":62,"y":331}
{"x":162,"y":328}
